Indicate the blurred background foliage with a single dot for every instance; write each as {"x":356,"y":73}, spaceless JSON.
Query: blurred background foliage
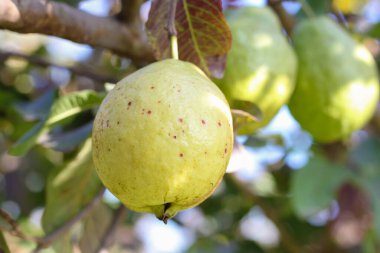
{"x":283,"y":192}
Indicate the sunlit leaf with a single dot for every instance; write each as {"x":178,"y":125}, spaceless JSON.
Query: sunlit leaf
{"x":70,"y":189}
{"x":245,"y":114}
{"x":72,"y":104}
{"x":314,"y":187}
{"x":203,"y":34}
{"x":95,"y":227}
{"x":63,"y":108}
{"x":63,"y":244}
{"x":3,"y":244}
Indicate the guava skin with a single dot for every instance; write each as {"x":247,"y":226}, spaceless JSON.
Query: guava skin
{"x":337,"y":85}
{"x":162,"y":138}
{"x":261,"y":66}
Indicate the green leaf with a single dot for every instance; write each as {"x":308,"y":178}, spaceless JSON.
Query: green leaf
{"x":62,"y":108}
{"x":319,"y":7}
{"x":366,"y":157}
{"x":68,"y":141}
{"x":72,"y":104}
{"x":70,"y":2}
{"x":95,"y":227}
{"x":38,"y":108}
{"x":314,"y":186}
{"x":63,"y":244}
{"x":28,"y":140}
{"x":70,"y":189}
{"x":245,"y":115}
{"x":374,"y":31}
{"x":259,"y":140}
{"x":3,"y":244}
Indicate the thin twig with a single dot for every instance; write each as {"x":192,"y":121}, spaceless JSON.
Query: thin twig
{"x":288,"y":242}
{"x":341,"y":18}
{"x":81,"y":71}
{"x":118,"y":217}
{"x":15,"y":230}
{"x":172,"y":30}
{"x":62,"y":20}
{"x":286,"y":20}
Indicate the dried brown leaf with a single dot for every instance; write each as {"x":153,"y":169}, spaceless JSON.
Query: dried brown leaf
{"x":204,"y":37}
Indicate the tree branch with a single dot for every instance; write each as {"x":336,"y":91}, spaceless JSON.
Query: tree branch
{"x":61,"y":20}
{"x":130,"y":11}
{"x":15,"y":230}
{"x":286,"y":20}
{"x":78,"y":70}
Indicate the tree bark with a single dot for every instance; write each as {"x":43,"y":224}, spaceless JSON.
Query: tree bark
{"x":61,"y":20}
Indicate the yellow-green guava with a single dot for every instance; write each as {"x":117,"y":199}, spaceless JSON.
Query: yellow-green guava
{"x":162,"y":138}
{"x":337,"y":85}
{"x":349,"y":6}
{"x":261,"y":66}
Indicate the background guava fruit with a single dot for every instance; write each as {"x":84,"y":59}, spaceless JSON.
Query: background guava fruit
{"x":349,"y":6}
{"x":337,"y":85}
{"x":261,"y":65}
{"x":162,"y":138}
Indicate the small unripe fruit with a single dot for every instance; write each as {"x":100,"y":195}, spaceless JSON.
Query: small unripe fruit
{"x":261,"y":66}
{"x":337,"y":86}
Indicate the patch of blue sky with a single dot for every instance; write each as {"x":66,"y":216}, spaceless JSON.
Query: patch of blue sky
{"x":160,"y":238}
{"x":65,"y":51}
{"x":250,"y":3}
{"x":372,"y":11}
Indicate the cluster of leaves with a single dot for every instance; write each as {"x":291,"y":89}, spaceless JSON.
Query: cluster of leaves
{"x":50,"y":131}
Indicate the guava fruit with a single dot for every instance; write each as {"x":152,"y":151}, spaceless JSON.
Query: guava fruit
{"x":162,"y":138}
{"x":261,"y":66}
{"x":337,"y":85}
{"x":349,"y":6}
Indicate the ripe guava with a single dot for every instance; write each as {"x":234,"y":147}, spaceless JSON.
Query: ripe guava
{"x":349,"y":6}
{"x":261,"y":66}
{"x":337,"y":87}
{"x":162,"y":138}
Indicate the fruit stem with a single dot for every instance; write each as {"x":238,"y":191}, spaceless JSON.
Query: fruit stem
{"x":174,"y":47}
{"x":172,"y":30}
{"x":307,"y":9}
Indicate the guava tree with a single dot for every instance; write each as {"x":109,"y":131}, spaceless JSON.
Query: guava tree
{"x":196,"y":81}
